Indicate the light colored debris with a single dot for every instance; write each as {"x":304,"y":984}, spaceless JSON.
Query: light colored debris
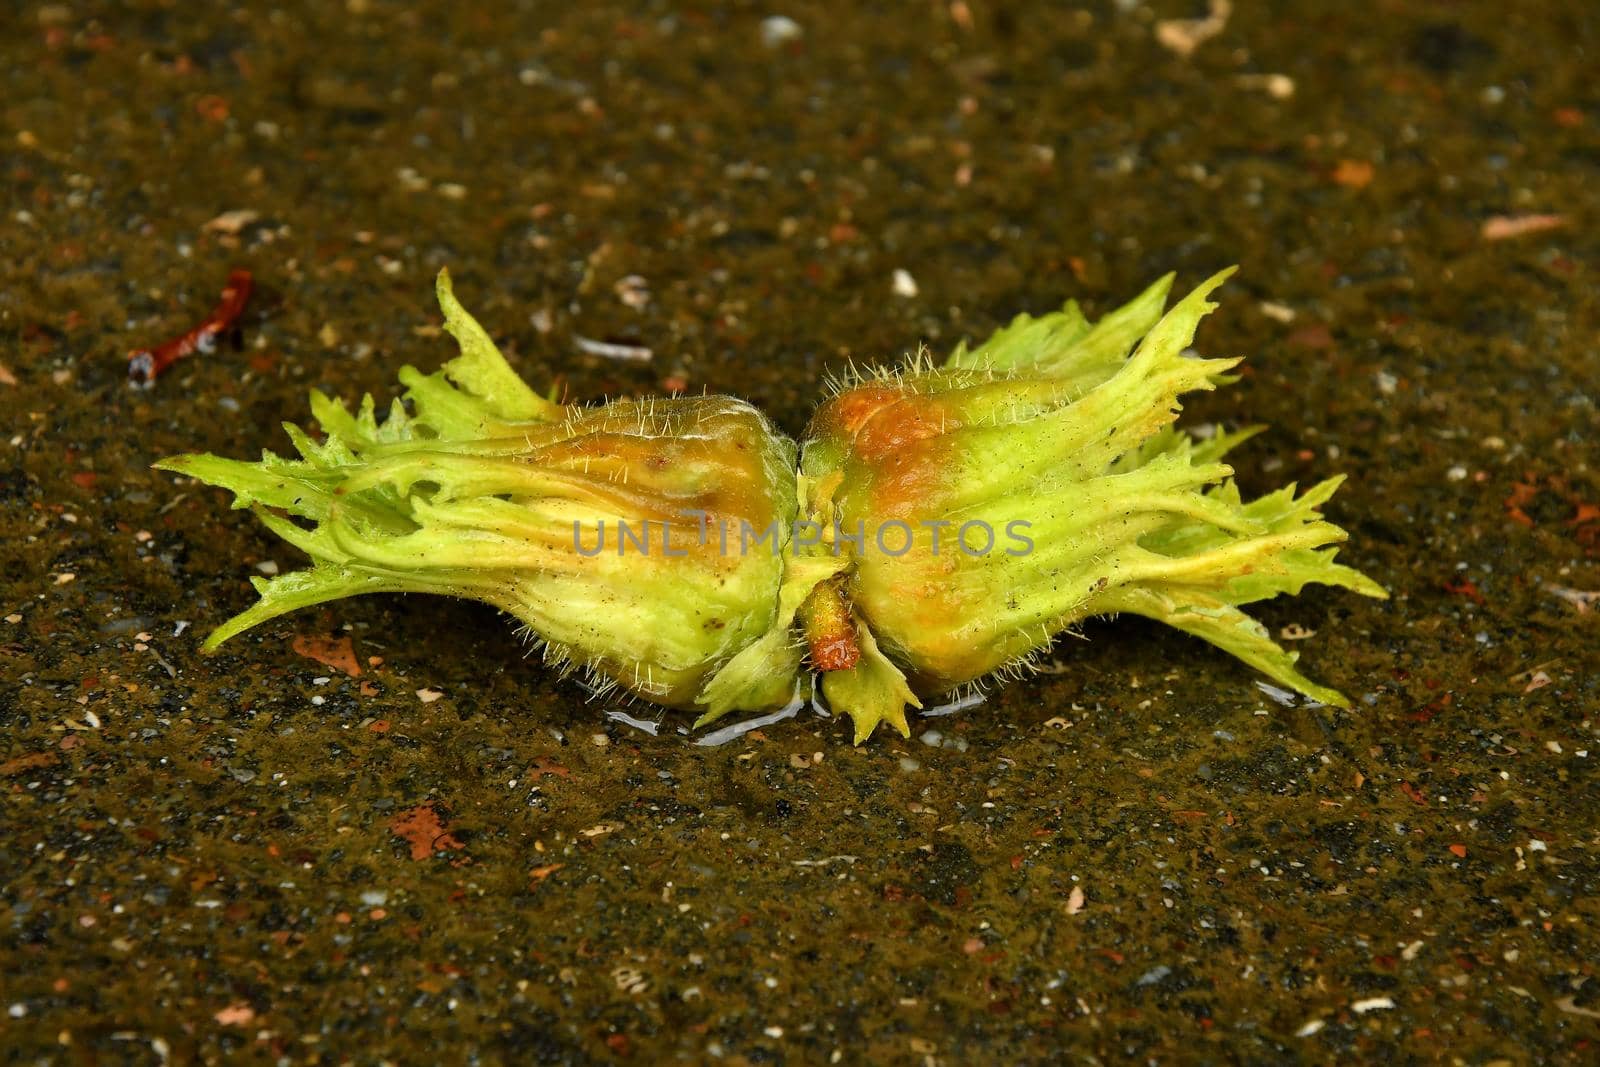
{"x":1277,"y":86}
{"x":1531,"y":671}
{"x":1505,"y":227}
{"x":540,"y":75}
{"x":612,"y":350}
{"x":1183,"y":36}
{"x":1582,"y":599}
{"x":904,"y":284}
{"x":1570,"y":1006}
{"x":779,"y":30}
{"x":630,"y":980}
{"x":411,"y":181}
{"x":642,"y":725}
{"x":633,"y":291}
{"x":1279,"y":695}
{"x":231,"y":221}
{"x":1075,"y":900}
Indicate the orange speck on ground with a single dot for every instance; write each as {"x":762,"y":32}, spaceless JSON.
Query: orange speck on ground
{"x":329,"y":651}
{"x":1354,"y":173}
{"x":212,"y":108}
{"x":1522,"y":494}
{"x":235,"y":1015}
{"x":424,"y":830}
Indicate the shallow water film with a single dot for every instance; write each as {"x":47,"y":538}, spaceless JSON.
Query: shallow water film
{"x":378,"y":831}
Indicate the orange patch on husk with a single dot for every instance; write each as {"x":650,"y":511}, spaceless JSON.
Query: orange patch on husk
{"x":910,"y":466}
{"x":886,"y":434}
{"x":890,"y":433}
{"x":850,"y":410}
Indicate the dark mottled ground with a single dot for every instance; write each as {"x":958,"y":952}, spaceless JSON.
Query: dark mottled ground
{"x":256,"y":854}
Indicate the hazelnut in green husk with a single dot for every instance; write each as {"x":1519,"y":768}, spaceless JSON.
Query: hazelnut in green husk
{"x":989,"y":503}
{"x":946,"y":522}
{"x":586,"y":524}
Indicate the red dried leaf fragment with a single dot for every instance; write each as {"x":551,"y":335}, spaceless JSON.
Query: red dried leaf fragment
{"x":330,"y":652}
{"x":27,"y":762}
{"x":145,"y":365}
{"x":425,"y":831}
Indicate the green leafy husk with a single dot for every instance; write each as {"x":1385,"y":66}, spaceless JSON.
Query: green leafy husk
{"x":1064,"y":425}
{"x":475,"y":486}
